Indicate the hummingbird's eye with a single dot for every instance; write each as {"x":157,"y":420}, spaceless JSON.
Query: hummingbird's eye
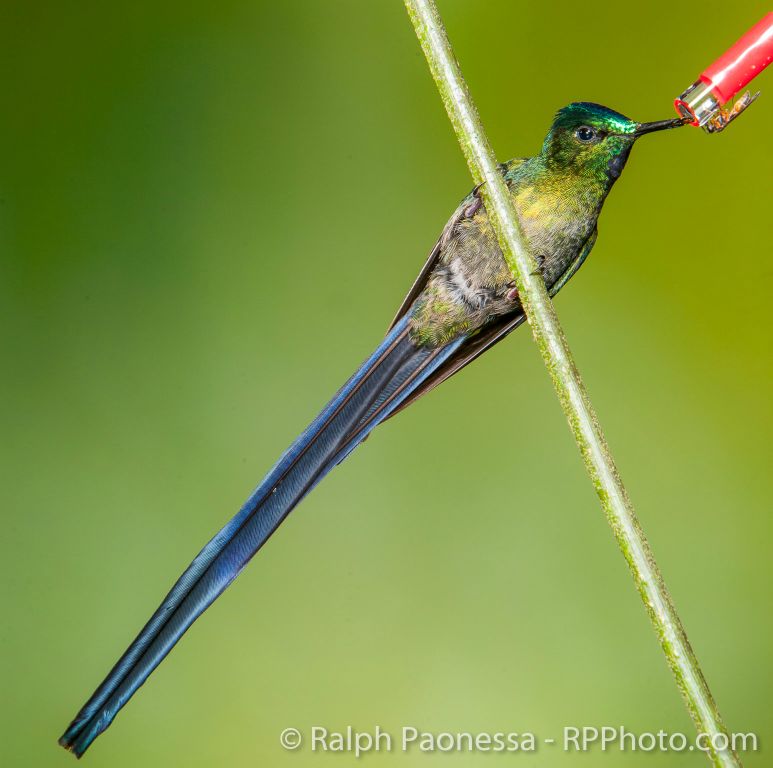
{"x":586,"y":134}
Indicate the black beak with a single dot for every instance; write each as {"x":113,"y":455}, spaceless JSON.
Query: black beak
{"x":659,"y":125}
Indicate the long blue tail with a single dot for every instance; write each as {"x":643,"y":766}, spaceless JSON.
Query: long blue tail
{"x":394,"y":370}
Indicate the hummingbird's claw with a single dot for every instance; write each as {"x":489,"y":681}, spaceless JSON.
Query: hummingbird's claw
{"x":473,"y":207}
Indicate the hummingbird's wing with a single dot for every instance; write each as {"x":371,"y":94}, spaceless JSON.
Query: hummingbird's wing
{"x":421,"y":281}
{"x":474,"y":346}
{"x":470,"y":349}
{"x":434,"y":256}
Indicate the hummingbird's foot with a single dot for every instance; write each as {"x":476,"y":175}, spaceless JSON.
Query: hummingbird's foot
{"x":472,"y":208}
{"x":476,"y":204}
{"x":462,"y":213}
{"x":511,"y":294}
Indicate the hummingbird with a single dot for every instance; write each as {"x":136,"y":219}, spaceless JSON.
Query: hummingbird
{"x":463,"y":301}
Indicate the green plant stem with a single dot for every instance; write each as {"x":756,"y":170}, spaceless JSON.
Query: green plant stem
{"x":566,"y":379}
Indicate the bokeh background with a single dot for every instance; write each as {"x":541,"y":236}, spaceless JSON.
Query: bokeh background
{"x":208,"y":214}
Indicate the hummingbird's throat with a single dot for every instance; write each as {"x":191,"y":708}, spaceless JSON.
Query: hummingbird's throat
{"x":617,"y":163}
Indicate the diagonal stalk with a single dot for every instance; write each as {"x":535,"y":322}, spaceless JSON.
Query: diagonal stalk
{"x":569,"y":386}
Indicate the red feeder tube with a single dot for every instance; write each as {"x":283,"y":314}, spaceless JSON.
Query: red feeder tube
{"x":703,"y":101}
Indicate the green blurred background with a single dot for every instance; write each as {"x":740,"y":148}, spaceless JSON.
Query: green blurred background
{"x":208,"y":215}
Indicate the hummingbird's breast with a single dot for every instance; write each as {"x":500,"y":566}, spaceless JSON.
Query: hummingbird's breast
{"x":472,"y":284}
{"x":557,"y":219}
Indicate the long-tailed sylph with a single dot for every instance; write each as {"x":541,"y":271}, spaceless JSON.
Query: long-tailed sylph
{"x":463,"y":302}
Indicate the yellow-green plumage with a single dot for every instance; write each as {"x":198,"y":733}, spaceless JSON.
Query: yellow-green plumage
{"x":558,"y":195}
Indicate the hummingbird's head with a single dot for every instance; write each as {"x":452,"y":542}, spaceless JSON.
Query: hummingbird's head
{"x":587,"y":138}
